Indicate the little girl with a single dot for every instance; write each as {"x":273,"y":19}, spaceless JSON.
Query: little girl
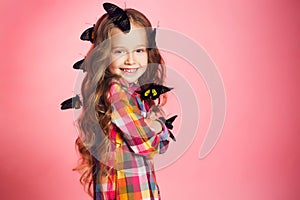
{"x":119,"y":131}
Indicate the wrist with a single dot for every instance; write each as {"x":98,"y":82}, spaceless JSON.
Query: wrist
{"x":156,"y":125}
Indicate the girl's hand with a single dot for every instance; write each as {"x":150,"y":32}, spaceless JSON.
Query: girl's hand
{"x":155,"y":113}
{"x":155,"y":125}
{"x":152,"y":117}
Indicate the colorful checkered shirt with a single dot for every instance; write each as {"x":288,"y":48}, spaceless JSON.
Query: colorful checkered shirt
{"x":133,"y":146}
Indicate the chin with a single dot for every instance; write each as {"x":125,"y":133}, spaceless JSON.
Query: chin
{"x":130,"y":80}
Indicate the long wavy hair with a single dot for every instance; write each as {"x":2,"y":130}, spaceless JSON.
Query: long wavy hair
{"x":96,"y":109}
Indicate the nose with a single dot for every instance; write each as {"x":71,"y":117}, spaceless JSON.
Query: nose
{"x":130,"y":60}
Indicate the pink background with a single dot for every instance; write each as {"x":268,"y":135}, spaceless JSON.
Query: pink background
{"x":255,"y":45}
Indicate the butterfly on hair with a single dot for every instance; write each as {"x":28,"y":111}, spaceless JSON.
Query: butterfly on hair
{"x":79,"y":65}
{"x":73,"y":102}
{"x":118,"y":16}
{"x":88,"y":34}
{"x":152,"y":40}
{"x":152,"y":91}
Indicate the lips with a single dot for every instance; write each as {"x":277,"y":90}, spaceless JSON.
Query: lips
{"x":129,"y":70}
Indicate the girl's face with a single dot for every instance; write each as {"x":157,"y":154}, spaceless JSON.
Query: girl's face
{"x":129,"y":53}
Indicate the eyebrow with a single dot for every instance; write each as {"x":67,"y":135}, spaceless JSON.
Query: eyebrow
{"x":122,"y":47}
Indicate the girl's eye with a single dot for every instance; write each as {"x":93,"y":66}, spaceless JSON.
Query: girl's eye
{"x":119,"y":51}
{"x":140,"y":50}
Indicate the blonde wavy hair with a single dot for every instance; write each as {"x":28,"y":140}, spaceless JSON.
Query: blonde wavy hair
{"x":96,"y":109}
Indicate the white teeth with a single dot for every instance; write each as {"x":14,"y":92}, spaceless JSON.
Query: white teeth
{"x":130,"y":70}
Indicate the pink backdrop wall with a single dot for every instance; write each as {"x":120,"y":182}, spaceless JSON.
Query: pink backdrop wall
{"x":255,"y":45}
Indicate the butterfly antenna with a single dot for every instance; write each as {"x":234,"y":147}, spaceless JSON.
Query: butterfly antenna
{"x":157,"y":24}
{"x":125,"y":5}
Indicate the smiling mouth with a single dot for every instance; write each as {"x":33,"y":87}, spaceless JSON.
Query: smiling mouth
{"x":129,"y":70}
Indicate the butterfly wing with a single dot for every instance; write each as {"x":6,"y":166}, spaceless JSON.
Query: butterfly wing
{"x":144,"y":94}
{"x":88,"y":34}
{"x":157,"y":90}
{"x":146,"y":91}
{"x":79,"y":65}
{"x":118,"y":16}
{"x":73,"y":102}
{"x":66,"y":104}
{"x":170,"y":121}
{"x":124,"y":24}
{"x":163,"y":89}
{"x":76,"y":102}
{"x":169,"y":125}
{"x":153,"y":91}
{"x":151,"y":39}
{"x":172,"y":136}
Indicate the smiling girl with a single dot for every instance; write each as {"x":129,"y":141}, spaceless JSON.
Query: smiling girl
{"x":118,"y":138}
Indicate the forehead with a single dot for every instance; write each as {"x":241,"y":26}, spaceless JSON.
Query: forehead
{"x":137,"y":36}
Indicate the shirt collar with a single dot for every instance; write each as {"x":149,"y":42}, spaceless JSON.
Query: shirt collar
{"x":130,"y":87}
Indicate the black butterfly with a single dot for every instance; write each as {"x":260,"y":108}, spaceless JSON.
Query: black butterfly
{"x":73,"y":102}
{"x":153,"y":91}
{"x":151,"y":39}
{"x":170,"y":121}
{"x":169,"y":125}
{"x":79,"y":65}
{"x":88,"y":34}
{"x":118,"y":16}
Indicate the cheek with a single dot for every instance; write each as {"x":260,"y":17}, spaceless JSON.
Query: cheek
{"x":144,"y":69}
{"x":143,"y":60}
{"x":116,"y":60}
{"x":115,"y":64}
{"x":113,"y":68}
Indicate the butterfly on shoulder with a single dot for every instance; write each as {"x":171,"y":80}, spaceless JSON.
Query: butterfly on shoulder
{"x":73,"y":102}
{"x":118,"y":16}
{"x":152,"y":91}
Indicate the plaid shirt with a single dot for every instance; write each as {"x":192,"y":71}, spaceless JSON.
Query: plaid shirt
{"x":133,"y":145}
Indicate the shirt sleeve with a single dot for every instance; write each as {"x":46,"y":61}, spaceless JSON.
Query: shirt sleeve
{"x":139,"y":136}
